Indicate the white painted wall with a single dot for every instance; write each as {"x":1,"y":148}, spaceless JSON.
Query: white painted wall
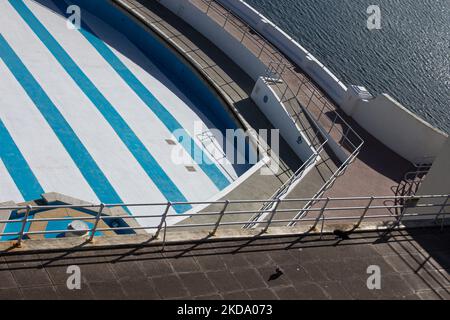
{"x":269,"y":103}
{"x":313,"y":67}
{"x":243,"y":57}
{"x":396,"y":127}
{"x":437,"y":182}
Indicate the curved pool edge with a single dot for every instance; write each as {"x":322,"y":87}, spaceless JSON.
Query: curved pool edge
{"x":193,"y":65}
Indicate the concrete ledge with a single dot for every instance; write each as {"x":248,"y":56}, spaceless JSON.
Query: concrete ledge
{"x":202,"y":236}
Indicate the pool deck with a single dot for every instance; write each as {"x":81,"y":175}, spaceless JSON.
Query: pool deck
{"x":413,"y":265}
{"x":376,"y":170}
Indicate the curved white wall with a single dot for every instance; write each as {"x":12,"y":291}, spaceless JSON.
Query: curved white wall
{"x":437,"y":182}
{"x":242,"y":56}
{"x":313,"y":67}
{"x":399,"y":129}
{"x":269,"y":103}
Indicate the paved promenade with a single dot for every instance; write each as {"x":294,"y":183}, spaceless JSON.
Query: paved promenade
{"x":414,"y":265}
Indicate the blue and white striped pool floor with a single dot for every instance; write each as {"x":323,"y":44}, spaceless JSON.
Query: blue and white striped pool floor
{"x":90,"y":120}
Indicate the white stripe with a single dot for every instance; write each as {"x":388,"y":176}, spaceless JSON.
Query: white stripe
{"x":114,"y":159}
{"x":145,"y":124}
{"x":8,"y":189}
{"x":184,"y":110}
{"x":44,"y":153}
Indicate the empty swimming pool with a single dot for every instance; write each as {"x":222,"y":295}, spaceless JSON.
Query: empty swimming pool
{"x":92,"y":112}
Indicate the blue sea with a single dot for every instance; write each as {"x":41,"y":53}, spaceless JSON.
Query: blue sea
{"x":408,"y":58}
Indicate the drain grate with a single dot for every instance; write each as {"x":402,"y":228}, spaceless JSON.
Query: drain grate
{"x":190,"y":168}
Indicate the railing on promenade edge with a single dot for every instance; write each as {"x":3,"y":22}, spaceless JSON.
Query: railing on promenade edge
{"x":308,"y":107}
{"x":342,"y":210}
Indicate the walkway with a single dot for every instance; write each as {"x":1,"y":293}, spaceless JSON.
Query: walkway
{"x":413,"y":265}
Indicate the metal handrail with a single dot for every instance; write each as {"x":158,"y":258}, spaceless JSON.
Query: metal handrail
{"x":411,"y":183}
{"x":222,"y":213}
{"x":113,"y":205}
{"x":324,"y":215}
{"x":276,"y":71}
{"x":230,"y":17}
{"x":284,"y":189}
{"x":328,"y":184}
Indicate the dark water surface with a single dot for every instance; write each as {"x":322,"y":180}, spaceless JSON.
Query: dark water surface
{"x":409,"y":58}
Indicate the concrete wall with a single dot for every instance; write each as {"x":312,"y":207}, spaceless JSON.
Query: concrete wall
{"x":313,"y":67}
{"x":395,"y":126}
{"x":387,"y":120}
{"x":338,"y":150}
{"x":269,"y":103}
{"x":217,"y":35}
{"x":437,"y":182}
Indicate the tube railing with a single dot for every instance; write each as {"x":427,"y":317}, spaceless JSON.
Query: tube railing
{"x":248,"y":33}
{"x":325,"y":214}
{"x":283,"y":190}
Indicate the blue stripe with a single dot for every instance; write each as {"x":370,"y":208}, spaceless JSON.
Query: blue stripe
{"x":136,"y":147}
{"x":89,"y":169}
{"x":18,"y":167}
{"x":206,"y":164}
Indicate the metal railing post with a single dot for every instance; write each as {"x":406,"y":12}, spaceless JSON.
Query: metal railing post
{"x":163,"y":219}
{"x":284,"y":93}
{"x":164,"y":236}
{"x":222,"y":213}
{"x":322,"y":211}
{"x":24,"y":223}
{"x":226,"y":19}
{"x":442,"y":211}
{"x":243,"y":35}
{"x":272,"y":214}
{"x":367,"y":208}
{"x":97,"y":220}
{"x":322,"y":225}
{"x":209,"y":6}
{"x":262,"y":49}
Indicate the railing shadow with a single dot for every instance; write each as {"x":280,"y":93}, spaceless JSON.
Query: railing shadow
{"x":423,"y":253}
